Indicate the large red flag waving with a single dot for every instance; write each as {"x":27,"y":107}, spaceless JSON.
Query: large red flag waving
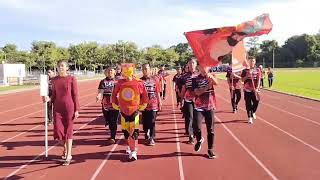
{"x":210,"y":45}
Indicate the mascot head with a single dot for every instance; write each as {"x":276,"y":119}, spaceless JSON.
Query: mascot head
{"x":127,"y":70}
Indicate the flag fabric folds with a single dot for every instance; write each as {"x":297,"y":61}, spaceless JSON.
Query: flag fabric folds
{"x":211,"y":45}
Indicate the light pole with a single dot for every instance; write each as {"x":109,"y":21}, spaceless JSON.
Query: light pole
{"x":273,"y":58}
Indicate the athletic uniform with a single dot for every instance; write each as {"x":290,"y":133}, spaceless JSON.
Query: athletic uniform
{"x":250,"y":96}
{"x":188,"y":105}
{"x":177,"y":80}
{"x":149,"y":115}
{"x":204,"y":105}
{"x":235,"y":89}
{"x":163,"y":74}
{"x":110,"y":114}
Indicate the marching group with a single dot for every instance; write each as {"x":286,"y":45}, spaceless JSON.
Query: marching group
{"x":124,"y":96}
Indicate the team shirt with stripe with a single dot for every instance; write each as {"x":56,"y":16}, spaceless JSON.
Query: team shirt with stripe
{"x":253,"y":77}
{"x":152,"y":86}
{"x":187,"y":82}
{"x":207,"y":100}
{"x":107,"y":86}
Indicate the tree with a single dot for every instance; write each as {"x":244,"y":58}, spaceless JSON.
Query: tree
{"x":253,"y":44}
{"x":45,"y":54}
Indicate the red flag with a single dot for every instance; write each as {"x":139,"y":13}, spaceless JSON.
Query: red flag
{"x":210,"y":45}
{"x":239,"y":59}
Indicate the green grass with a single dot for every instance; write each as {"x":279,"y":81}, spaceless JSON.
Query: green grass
{"x":299,"y":81}
{"x":302,"y":82}
{"x":15,"y":87}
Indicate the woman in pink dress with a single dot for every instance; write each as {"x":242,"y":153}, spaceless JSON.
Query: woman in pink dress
{"x":65,"y":108}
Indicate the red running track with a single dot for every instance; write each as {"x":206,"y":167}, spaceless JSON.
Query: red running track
{"x":283,"y":143}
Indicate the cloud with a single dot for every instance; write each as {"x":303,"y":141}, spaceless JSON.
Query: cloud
{"x":151,"y":22}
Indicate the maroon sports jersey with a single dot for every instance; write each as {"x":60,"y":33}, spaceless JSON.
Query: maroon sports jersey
{"x":187,"y":81}
{"x":253,"y":75}
{"x":152,"y":86}
{"x":207,"y":100}
{"x":107,"y":85}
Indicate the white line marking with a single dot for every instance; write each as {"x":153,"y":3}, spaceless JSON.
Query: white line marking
{"x":301,"y":117}
{"x":96,"y":173}
{"x":20,"y":134}
{"x":34,"y":128}
{"x":19,"y":107}
{"x":248,"y":151}
{"x":35,"y":158}
{"x":36,"y":112}
{"x":177,"y":138}
{"x":283,"y":131}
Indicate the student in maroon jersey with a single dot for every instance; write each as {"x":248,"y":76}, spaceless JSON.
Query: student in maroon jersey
{"x":251,"y":78}
{"x":163,"y":73}
{"x":204,"y":105}
{"x":177,"y":85}
{"x":149,"y":115}
{"x":188,"y":97}
{"x":233,"y":79}
{"x":104,"y":95}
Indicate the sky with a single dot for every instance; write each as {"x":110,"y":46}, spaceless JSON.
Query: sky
{"x":145,"y":22}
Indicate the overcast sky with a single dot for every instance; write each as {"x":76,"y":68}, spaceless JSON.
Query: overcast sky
{"x":145,"y":22}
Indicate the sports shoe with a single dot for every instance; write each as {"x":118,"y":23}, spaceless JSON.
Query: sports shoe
{"x":254,"y":116}
{"x":133,"y":156}
{"x":151,"y":142}
{"x":191,"y":140}
{"x":128,"y":151}
{"x":234,"y":110}
{"x":250,"y":121}
{"x":197,"y":147}
{"x":211,"y":155}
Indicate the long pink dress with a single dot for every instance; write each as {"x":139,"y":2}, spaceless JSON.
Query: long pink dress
{"x":65,"y":103}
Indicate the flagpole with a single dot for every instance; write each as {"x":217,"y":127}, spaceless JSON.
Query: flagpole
{"x":46,"y":128}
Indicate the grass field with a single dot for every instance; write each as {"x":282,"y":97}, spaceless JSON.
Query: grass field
{"x":301,"y":82}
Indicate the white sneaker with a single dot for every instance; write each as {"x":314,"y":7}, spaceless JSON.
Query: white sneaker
{"x":133,"y":156}
{"x":250,"y":121}
{"x":254,"y":116}
{"x":128,"y":151}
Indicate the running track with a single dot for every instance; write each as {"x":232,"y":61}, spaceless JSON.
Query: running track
{"x":283,"y":143}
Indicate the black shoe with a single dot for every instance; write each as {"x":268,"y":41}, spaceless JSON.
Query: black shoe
{"x":191,"y":140}
{"x":197,"y":147}
{"x":211,"y":155}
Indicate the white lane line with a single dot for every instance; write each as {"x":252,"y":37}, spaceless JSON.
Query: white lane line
{"x":290,"y":113}
{"x":35,"y":158}
{"x":36,"y":112}
{"x":34,"y":127}
{"x":248,"y":150}
{"x":96,"y":173}
{"x":19,"y":107}
{"x":283,"y":131}
{"x":309,"y":107}
{"x":177,"y":138}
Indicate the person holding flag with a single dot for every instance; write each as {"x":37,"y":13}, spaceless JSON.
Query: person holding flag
{"x":251,"y":87}
{"x":188,"y":97}
{"x":130,"y":96}
{"x":149,"y":115}
{"x":233,"y":79}
{"x":104,"y":95}
{"x":205,"y":104}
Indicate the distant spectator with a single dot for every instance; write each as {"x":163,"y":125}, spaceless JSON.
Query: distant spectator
{"x":270,"y":76}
